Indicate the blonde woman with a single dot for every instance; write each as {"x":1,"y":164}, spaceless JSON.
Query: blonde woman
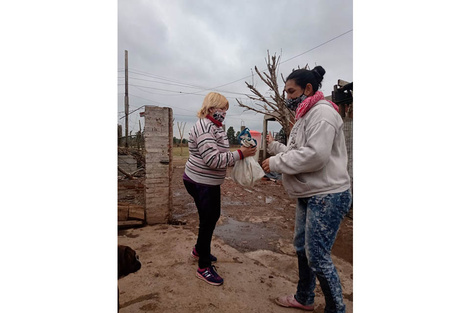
{"x":205,"y":170}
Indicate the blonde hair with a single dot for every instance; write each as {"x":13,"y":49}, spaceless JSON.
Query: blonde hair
{"x":212,"y":100}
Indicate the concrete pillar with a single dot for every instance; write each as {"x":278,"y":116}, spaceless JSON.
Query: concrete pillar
{"x":158,"y":136}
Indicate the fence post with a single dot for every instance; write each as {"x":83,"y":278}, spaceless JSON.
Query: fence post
{"x":158,"y":142}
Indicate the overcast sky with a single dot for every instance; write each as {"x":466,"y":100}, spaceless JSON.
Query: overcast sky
{"x":180,"y":50}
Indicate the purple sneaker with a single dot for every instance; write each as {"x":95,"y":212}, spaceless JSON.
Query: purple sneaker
{"x":195,"y":255}
{"x":209,"y":275}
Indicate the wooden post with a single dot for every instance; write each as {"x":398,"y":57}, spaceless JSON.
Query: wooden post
{"x":139,"y":138}
{"x":265,"y":133}
{"x":126,"y":103}
{"x":181,"y":135}
{"x":119,"y":134}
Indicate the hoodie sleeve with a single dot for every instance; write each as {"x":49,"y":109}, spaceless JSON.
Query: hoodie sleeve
{"x":276,"y":147}
{"x":311,"y":157}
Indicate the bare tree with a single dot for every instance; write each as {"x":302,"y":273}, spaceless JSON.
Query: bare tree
{"x":274,"y":103}
{"x":181,"y":135}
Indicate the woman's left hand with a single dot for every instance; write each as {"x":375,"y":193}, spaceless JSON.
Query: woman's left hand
{"x":265,"y":165}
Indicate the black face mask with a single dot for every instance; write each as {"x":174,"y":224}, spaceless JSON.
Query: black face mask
{"x":292,"y":104}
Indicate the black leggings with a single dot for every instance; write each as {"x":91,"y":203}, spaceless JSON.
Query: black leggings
{"x":207,"y":199}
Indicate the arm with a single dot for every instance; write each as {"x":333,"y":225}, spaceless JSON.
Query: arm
{"x":311,"y":157}
{"x":211,"y":155}
{"x":276,"y":147}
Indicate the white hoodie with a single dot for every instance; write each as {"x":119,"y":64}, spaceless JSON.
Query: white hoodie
{"x":315,"y":159}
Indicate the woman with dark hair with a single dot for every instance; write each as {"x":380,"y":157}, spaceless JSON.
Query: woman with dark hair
{"x":314,"y":170}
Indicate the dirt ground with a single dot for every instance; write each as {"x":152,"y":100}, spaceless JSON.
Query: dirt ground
{"x":252,"y":240}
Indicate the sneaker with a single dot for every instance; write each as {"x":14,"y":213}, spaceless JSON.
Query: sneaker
{"x":209,"y":275}
{"x":195,"y":255}
{"x":289,"y":301}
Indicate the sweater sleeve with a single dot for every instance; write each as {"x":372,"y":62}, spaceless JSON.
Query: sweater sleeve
{"x":211,"y":155}
{"x":276,"y":147}
{"x":313,"y":156}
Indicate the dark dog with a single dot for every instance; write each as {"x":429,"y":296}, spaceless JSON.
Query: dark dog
{"x":128,"y":262}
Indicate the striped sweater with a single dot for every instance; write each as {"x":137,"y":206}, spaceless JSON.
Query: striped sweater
{"x":209,"y":153}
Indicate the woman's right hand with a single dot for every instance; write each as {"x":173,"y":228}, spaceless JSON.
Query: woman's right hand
{"x":269,"y":138}
{"x":248,"y":151}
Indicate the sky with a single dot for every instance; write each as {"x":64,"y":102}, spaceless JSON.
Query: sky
{"x":180,"y":50}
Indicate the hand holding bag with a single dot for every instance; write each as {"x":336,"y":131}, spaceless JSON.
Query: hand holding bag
{"x":247,"y":171}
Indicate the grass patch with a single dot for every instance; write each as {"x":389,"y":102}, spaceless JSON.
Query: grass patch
{"x":180,"y":152}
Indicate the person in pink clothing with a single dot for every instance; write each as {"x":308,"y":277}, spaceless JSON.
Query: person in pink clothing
{"x":314,"y":170}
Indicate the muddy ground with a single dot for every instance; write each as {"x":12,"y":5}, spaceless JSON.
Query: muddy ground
{"x":252,"y":240}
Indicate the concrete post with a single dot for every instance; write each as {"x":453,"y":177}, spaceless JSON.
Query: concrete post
{"x":158,"y":135}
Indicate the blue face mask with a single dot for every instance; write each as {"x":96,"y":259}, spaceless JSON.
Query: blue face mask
{"x":292,"y":104}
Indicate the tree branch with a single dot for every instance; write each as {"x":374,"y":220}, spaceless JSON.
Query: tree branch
{"x":274,"y":104}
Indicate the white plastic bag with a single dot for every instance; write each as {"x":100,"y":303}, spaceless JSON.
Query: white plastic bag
{"x":247,"y":171}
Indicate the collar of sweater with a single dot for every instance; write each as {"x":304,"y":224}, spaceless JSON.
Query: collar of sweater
{"x":216,"y":122}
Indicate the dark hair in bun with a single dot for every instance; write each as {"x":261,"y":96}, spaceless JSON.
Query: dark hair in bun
{"x":302,"y":77}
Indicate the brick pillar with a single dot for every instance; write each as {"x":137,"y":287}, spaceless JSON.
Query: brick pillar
{"x":158,"y":136}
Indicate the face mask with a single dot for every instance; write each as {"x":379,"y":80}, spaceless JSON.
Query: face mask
{"x":219,"y":115}
{"x":292,"y":104}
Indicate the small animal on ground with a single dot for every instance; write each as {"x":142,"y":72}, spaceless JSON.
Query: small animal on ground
{"x":128,"y":262}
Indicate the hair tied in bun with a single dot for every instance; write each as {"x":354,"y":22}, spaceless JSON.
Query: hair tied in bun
{"x":319,"y":71}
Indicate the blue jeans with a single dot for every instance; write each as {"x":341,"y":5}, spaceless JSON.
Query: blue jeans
{"x":317,"y":222}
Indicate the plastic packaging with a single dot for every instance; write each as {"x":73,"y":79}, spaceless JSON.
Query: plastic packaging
{"x":247,"y":171}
